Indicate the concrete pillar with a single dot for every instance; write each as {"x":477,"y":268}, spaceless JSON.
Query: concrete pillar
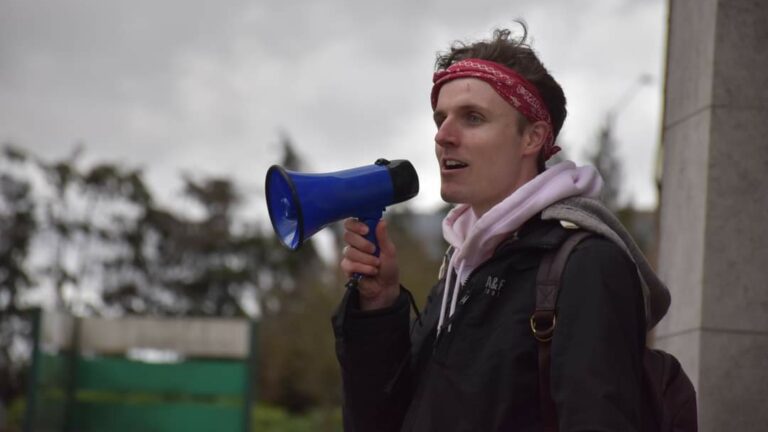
{"x":714,"y":207}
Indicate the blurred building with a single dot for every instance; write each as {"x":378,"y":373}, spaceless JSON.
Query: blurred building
{"x":713,"y":246}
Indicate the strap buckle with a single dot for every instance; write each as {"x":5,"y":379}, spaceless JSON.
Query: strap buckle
{"x":543,"y":335}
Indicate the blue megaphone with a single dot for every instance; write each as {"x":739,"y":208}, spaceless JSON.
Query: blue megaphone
{"x":302,"y":204}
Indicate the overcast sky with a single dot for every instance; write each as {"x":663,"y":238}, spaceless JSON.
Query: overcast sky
{"x":174,"y":86}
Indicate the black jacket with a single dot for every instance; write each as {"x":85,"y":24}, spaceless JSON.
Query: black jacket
{"x":483,"y":374}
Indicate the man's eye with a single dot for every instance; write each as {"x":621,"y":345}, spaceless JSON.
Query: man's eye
{"x":474,"y":118}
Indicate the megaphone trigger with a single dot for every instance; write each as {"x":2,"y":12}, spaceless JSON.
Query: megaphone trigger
{"x":371,"y":236}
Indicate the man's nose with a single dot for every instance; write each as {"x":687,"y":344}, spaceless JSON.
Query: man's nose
{"x":446,"y":134}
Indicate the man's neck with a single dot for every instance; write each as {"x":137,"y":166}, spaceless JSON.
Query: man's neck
{"x":525,"y":178}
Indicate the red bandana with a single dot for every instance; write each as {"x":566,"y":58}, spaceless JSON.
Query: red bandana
{"x":510,"y":85}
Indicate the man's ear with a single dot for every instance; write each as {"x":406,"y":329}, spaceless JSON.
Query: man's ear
{"x":534,"y":136}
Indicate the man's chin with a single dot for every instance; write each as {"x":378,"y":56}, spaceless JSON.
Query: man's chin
{"x":450,"y":198}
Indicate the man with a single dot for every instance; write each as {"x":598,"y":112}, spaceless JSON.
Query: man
{"x":470,"y":362}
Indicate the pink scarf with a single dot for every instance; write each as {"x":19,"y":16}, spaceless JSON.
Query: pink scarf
{"x":474,"y":239}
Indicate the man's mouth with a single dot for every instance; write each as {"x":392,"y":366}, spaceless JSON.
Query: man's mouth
{"x":453,"y":164}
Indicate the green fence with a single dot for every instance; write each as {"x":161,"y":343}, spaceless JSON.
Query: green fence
{"x":77,"y":389}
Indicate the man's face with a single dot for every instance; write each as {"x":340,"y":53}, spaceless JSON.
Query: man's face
{"x":478,"y":145}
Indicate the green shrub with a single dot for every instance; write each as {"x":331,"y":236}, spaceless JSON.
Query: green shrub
{"x":15,"y":418}
{"x":264,"y":418}
{"x":267,"y":418}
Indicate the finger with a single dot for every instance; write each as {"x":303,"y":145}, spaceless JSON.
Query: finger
{"x":351,"y":267}
{"x":356,"y":255}
{"x":358,"y":242}
{"x":356,"y":226}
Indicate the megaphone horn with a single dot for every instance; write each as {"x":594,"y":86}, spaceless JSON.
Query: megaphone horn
{"x":302,"y":204}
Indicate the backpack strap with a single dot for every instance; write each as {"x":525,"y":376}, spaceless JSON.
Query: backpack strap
{"x":544,"y":319}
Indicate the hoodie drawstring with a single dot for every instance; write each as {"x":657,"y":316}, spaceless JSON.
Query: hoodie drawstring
{"x":443,"y":305}
{"x":447,"y":312}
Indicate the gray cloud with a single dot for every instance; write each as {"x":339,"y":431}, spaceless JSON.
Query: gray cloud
{"x":181,"y":85}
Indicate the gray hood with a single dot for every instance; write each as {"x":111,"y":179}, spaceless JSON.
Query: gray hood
{"x":592,"y":215}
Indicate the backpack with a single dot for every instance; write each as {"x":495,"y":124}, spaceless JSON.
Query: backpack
{"x":671,"y":398}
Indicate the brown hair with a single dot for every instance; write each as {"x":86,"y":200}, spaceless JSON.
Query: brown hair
{"x":516,"y":54}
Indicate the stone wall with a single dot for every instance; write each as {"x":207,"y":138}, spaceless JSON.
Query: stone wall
{"x":713,"y":250}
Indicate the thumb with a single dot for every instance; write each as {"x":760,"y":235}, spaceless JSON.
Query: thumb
{"x":385,"y":244}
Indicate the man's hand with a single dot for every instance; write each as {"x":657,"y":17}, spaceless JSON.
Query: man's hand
{"x":381,"y":285}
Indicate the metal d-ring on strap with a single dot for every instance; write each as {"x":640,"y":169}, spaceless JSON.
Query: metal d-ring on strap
{"x":543,"y":335}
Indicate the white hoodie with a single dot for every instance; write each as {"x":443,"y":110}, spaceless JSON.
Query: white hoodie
{"x":474,"y":239}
